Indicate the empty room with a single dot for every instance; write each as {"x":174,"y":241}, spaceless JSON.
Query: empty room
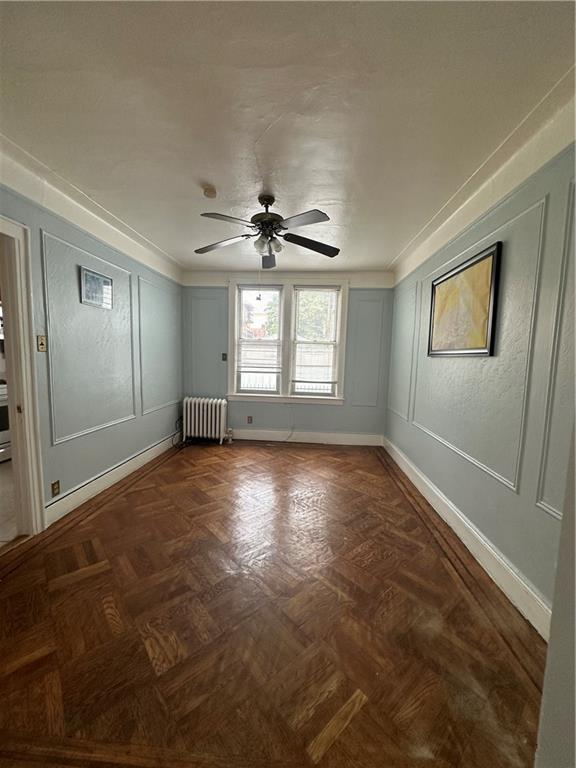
{"x":287,"y":384}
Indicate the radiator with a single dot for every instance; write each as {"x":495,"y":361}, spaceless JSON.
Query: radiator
{"x":204,"y":417}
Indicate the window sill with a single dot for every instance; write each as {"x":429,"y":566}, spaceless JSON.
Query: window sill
{"x":280,"y":399}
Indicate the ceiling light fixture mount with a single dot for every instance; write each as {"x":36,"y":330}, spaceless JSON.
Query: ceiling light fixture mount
{"x":266,"y":201}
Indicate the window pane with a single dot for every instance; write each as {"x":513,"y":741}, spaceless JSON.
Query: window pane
{"x":258,"y":365}
{"x":258,"y":382}
{"x":314,"y":368}
{"x":313,"y":388}
{"x":259,"y":356}
{"x":316,"y":314}
{"x":259,"y":314}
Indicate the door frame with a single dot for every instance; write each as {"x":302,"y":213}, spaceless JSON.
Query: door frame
{"x":16,"y":278}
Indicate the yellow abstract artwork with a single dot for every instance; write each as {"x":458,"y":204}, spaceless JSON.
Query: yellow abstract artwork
{"x":462,"y":309}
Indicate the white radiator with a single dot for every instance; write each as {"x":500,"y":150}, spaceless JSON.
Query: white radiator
{"x":204,"y":417}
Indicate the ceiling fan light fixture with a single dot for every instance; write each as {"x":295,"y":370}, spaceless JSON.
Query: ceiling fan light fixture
{"x":275,"y":244}
{"x":267,"y":227}
{"x":261,"y":244}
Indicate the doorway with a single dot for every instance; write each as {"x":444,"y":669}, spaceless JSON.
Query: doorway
{"x":8,"y":528}
{"x":21,"y":496}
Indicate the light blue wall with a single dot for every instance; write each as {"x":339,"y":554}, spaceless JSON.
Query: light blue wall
{"x":110,"y":384}
{"x":493,"y":433}
{"x":556,"y":741}
{"x":366,"y":368}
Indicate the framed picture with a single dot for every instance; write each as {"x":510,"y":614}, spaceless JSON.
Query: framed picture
{"x":463,"y":307}
{"x":96,"y":289}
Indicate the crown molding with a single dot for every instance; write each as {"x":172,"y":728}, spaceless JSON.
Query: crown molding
{"x":205,"y":279}
{"x":37,"y":186}
{"x":29,"y":178}
{"x":556,"y":135}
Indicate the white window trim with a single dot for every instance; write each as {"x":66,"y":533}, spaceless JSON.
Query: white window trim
{"x":235,"y":324}
{"x":246,"y":397}
{"x":287,"y":307}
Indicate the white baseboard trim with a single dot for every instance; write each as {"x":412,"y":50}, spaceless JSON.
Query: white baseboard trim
{"x":93,"y":487}
{"x":326,"y":438}
{"x":516,"y":588}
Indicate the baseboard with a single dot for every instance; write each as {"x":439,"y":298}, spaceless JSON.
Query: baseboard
{"x":519,"y":591}
{"x":93,"y":487}
{"x":326,"y":438}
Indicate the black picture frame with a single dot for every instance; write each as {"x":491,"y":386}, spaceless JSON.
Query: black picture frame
{"x":493,"y":252}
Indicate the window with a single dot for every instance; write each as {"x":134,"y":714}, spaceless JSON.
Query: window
{"x":258,"y":351}
{"x":287,"y":341}
{"x":315,"y":341}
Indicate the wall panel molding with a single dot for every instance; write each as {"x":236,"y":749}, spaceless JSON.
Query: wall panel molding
{"x":554,"y":357}
{"x":55,"y":438}
{"x":366,"y":397}
{"x":513,"y":483}
{"x":207,"y":374}
{"x":399,"y":291}
{"x":174,"y":291}
{"x":416,"y":349}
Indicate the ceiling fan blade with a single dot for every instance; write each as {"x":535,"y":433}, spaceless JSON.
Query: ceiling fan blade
{"x":313,"y":245}
{"x":269,"y":261}
{"x":224,"y":217}
{"x":222,"y":243}
{"x":302,"y":219}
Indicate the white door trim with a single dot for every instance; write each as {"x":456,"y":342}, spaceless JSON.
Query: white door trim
{"x":16,"y":277}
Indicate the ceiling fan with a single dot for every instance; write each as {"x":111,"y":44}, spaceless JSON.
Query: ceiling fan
{"x":268,"y":227}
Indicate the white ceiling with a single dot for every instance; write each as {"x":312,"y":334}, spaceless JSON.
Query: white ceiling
{"x":376,"y":113}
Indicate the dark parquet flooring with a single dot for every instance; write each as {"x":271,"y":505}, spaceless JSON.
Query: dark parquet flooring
{"x":262,"y":605}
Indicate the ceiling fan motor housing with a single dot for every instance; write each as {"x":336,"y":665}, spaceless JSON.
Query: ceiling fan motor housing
{"x":267,"y":223}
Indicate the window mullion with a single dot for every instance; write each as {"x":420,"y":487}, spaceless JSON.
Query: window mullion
{"x":286,"y":339}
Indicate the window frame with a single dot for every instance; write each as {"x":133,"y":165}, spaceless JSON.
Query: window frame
{"x":238,"y":321}
{"x":287,"y":313}
{"x":294,"y":341}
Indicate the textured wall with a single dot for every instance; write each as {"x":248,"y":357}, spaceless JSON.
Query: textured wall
{"x":110,"y":384}
{"x":366,"y":368}
{"x":90,"y":362}
{"x":556,"y":742}
{"x":493,"y":433}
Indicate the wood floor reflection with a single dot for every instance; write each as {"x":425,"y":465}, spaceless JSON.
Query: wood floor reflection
{"x":257,"y":605}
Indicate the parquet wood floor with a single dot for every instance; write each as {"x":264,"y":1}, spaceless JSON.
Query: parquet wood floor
{"x":254,"y":605}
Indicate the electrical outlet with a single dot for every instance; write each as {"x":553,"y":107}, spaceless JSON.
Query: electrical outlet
{"x":224,"y":357}
{"x":249,"y":419}
{"x":55,"y":488}
{"x":41,"y":345}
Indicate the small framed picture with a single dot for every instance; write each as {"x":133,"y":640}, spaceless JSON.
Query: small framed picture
{"x":96,"y":289}
{"x":463,"y":307}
